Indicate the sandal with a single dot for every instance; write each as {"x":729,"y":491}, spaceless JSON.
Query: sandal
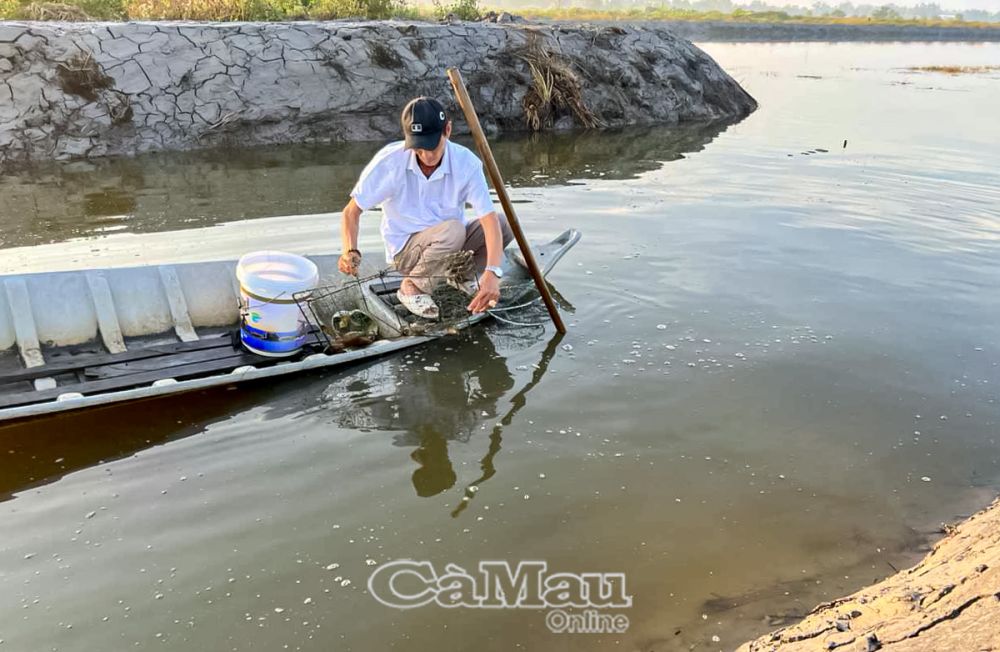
{"x":421,"y":305}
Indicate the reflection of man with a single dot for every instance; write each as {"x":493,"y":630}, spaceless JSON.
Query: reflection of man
{"x":435,"y":473}
{"x":423,"y":184}
{"x":432,"y":408}
{"x":438,"y":407}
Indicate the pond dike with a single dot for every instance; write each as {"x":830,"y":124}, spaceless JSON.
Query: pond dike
{"x":949,"y":602}
{"x":76,"y":90}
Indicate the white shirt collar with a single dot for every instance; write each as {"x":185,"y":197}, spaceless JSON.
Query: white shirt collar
{"x":443,"y":169}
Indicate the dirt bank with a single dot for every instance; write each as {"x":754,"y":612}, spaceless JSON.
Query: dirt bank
{"x":70,"y":90}
{"x":949,"y":602}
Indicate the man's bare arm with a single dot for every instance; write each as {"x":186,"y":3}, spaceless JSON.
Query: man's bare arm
{"x":489,"y":284}
{"x":494,"y":238}
{"x":350,"y":257}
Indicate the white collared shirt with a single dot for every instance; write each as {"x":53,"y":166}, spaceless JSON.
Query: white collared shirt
{"x":412,"y":202}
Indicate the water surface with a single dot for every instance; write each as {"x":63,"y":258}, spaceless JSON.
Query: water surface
{"x":779,"y":379}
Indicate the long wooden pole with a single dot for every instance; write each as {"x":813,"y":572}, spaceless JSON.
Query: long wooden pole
{"x":455,"y":77}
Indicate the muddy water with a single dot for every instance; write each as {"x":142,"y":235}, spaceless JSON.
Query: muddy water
{"x":780,"y":377}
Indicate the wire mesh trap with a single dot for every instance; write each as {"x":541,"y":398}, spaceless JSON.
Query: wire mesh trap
{"x":452,"y":315}
{"x":342,"y":316}
{"x":346,"y":318}
{"x":450,"y":280}
{"x":353,"y":314}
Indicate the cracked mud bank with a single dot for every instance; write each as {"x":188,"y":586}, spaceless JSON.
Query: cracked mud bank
{"x":72,"y":90}
{"x":949,"y":602}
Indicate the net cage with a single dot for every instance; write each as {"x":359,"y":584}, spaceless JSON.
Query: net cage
{"x":357,"y":312}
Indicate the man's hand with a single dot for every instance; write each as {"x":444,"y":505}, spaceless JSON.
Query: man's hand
{"x":488,"y":295}
{"x":350,"y":261}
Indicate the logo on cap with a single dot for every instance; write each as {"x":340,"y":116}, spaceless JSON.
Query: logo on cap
{"x":416,"y":128}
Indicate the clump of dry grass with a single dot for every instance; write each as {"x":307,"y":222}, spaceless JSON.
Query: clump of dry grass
{"x":955,"y":70}
{"x":54,"y":11}
{"x":68,"y":11}
{"x":555,"y":88}
{"x":80,"y":75}
{"x":198,"y":10}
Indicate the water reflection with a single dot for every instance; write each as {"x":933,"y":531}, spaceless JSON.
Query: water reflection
{"x":425,"y":409}
{"x":41,"y":451}
{"x":168,"y":191}
{"x":428,"y":405}
{"x":518,"y":401}
{"x":549,"y":159}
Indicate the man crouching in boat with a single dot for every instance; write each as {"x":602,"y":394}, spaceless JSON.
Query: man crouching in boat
{"x":423,"y":184}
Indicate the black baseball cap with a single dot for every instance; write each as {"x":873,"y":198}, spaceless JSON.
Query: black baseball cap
{"x":423,"y":122}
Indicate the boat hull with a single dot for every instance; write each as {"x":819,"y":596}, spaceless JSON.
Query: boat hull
{"x":112,"y":310}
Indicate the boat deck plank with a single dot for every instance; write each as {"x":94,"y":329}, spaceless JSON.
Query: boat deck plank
{"x":224,"y":362}
{"x":166,"y":363}
{"x":95,"y":373}
{"x":79,"y":363}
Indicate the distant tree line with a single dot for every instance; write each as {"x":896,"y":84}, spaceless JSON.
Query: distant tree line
{"x":930,"y":10}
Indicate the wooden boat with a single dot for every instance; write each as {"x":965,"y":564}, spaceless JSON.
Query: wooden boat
{"x":71,"y":340}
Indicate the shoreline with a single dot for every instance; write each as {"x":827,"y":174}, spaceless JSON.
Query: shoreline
{"x":948,"y":601}
{"x":737,"y":32}
{"x":785,"y":32}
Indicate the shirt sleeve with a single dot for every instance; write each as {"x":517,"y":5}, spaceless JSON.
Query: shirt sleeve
{"x":375,"y":184}
{"x":477,"y":193}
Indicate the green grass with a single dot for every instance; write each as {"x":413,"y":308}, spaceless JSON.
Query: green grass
{"x":272,"y":10}
{"x":220,"y":10}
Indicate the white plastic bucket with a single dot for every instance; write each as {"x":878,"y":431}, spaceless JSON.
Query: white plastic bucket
{"x":272,"y":323}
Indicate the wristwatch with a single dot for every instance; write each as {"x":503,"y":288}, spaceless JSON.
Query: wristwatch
{"x":498,"y":272}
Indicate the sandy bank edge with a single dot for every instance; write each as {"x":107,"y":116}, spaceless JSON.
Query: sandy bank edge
{"x":950,"y":601}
